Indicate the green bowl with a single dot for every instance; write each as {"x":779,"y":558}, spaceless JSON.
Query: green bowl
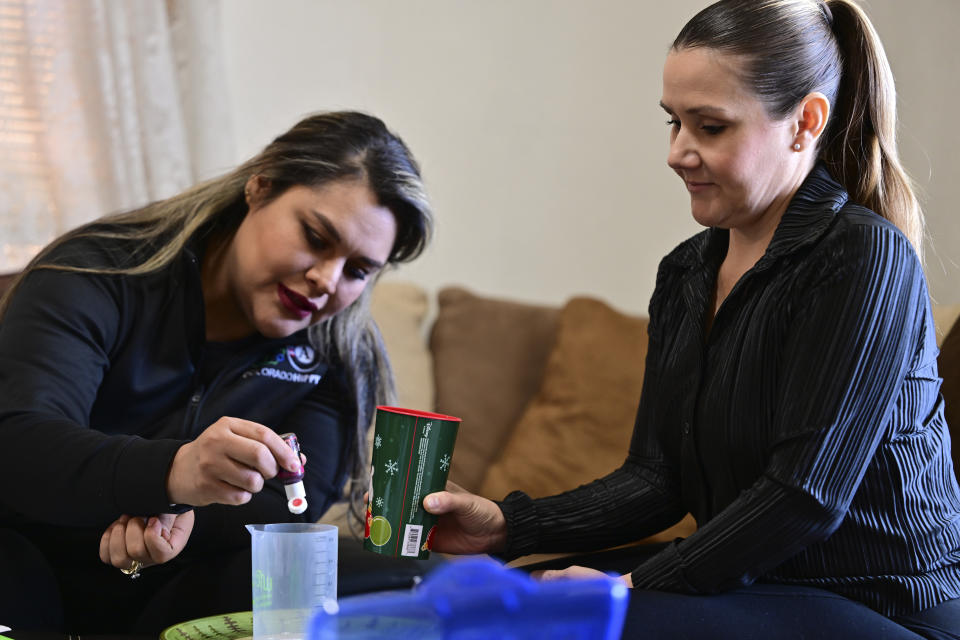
{"x":229,"y":626}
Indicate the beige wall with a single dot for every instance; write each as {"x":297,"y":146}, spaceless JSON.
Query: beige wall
{"x":537,"y":125}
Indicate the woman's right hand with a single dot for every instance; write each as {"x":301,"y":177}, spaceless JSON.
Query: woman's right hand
{"x":228,"y":463}
{"x":467,"y":524}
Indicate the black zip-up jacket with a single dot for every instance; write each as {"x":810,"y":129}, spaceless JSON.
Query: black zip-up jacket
{"x":103,"y":378}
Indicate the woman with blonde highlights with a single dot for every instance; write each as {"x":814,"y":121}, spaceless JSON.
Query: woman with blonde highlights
{"x":791,"y":397}
{"x":151,"y":359}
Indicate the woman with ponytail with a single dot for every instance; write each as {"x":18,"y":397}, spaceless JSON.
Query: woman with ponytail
{"x":791,"y":397}
{"x":150,"y":359}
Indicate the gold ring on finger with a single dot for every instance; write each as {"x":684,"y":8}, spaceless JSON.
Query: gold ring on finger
{"x":133,"y":570}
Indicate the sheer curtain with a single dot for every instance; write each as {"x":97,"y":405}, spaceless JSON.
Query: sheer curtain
{"x":104,"y":105}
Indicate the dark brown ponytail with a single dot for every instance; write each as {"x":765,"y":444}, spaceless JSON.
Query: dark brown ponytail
{"x":860,"y":146}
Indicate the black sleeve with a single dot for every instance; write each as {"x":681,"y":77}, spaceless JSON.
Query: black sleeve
{"x":324,"y":424}
{"x":639,"y":499}
{"x":55,"y":343}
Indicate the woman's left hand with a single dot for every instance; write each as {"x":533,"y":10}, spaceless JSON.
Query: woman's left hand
{"x":149,"y":541}
{"x":577,"y":572}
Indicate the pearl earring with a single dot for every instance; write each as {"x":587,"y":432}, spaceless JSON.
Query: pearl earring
{"x":796,"y":146}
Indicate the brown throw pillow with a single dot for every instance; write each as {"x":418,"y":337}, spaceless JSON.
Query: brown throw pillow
{"x":949,"y":364}
{"x":577,"y":428}
{"x":6,"y":279}
{"x":488,"y":360}
{"x":400,"y":309}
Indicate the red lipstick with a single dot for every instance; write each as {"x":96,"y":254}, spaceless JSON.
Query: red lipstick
{"x":296,"y":303}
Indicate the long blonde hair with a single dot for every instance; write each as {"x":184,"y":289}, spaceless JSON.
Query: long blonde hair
{"x":796,"y":47}
{"x":319,"y":149}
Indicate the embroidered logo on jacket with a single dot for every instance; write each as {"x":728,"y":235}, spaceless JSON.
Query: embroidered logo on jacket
{"x":293,"y":363}
{"x":303,"y":358}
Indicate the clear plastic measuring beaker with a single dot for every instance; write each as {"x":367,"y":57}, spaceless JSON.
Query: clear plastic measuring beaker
{"x":294,"y":569}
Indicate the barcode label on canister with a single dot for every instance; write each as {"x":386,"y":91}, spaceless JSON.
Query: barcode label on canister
{"x":411,"y":540}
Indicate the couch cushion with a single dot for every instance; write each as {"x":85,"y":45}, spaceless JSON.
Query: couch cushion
{"x":6,"y":279}
{"x":488,"y":358}
{"x":400,"y":309}
{"x":944,"y":317}
{"x":577,"y":428}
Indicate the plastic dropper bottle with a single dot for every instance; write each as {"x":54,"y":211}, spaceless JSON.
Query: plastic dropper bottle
{"x":293,"y":482}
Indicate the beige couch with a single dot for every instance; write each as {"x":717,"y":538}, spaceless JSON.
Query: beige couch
{"x":547,"y":394}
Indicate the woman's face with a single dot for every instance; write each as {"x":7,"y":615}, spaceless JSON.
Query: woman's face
{"x":737,"y":164}
{"x":305,"y":255}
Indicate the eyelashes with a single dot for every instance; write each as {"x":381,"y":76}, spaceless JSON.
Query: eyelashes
{"x":313,"y":238}
{"x":319,"y":243}
{"x":709,"y":129}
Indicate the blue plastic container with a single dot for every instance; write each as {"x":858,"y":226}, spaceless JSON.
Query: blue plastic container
{"x":479,"y":599}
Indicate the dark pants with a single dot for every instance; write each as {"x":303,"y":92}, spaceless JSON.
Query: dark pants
{"x":76,"y":593}
{"x":767,"y":611}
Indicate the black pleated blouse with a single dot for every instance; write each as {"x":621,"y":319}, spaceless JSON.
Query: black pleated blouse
{"x":805,"y":432}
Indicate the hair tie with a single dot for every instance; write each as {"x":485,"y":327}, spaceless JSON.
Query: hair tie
{"x":827,"y":14}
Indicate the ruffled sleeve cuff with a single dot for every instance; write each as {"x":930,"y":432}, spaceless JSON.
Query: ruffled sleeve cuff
{"x":523,"y":529}
{"x":663,"y":572}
